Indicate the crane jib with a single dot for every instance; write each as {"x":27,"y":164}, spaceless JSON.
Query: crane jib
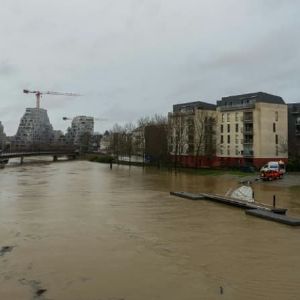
{"x":39,"y":94}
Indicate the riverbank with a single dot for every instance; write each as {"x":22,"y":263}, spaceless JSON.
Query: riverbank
{"x":170,"y":167}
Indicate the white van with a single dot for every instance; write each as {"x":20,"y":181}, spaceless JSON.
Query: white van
{"x":278,"y":166}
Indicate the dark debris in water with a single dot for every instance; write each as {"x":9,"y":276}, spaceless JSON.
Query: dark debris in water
{"x":38,"y":291}
{"x":6,"y":249}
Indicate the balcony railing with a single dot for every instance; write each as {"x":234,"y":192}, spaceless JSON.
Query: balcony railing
{"x":248,"y":119}
{"x":248,"y":153}
{"x":295,"y":111}
{"x":248,"y":131}
{"x":237,"y":107}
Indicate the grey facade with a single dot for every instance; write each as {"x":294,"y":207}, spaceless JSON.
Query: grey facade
{"x":2,"y":137}
{"x":34,"y":129}
{"x":294,"y":129}
{"x":59,"y":138}
{"x":247,"y":100}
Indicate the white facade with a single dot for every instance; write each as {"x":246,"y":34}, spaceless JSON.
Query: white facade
{"x":80,"y":126}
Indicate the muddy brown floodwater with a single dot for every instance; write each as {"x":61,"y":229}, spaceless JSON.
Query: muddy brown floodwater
{"x":79,"y":231}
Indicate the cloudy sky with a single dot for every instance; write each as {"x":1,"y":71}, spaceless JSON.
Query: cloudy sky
{"x":132,"y":58}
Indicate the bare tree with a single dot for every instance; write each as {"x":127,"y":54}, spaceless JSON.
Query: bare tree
{"x":205,"y":139}
{"x":115,"y":141}
{"x":145,"y":145}
{"x":128,"y":141}
{"x":158,"y":120}
{"x":177,"y":136}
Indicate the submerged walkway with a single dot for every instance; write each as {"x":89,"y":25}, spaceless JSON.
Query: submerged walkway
{"x":256,"y":209}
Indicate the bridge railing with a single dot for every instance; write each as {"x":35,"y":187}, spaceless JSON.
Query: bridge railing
{"x":39,"y":148}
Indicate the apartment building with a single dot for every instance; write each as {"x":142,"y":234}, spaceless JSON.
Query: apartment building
{"x":138,"y":141}
{"x":82,"y":128}
{"x":2,"y":137}
{"x":251,"y":129}
{"x":34,"y":129}
{"x":192,"y":139}
{"x":105,"y":142}
{"x":294,"y":129}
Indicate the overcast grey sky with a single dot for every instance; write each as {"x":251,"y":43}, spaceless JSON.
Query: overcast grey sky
{"x":132,"y":58}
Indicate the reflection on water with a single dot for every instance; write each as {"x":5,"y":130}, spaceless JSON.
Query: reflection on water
{"x":81,"y":231}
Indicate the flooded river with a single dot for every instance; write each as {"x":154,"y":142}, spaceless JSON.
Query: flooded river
{"x":80,"y":231}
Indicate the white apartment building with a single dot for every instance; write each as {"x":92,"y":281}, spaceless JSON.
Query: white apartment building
{"x":81,"y":125}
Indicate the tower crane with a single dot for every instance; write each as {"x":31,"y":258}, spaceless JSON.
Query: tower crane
{"x":39,"y":94}
{"x":95,"y":119}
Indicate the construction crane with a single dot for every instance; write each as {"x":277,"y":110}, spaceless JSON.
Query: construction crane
{"x":39,"y":94}
{"x":95,"y":119}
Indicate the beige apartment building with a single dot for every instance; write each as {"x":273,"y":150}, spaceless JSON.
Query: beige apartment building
{"x":251,"y":129}
{"x":192,"y":133}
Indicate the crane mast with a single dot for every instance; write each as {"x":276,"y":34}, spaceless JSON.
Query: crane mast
{"x":39,"y":94}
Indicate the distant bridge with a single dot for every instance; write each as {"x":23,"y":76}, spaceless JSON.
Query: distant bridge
{"x":5,"y":156}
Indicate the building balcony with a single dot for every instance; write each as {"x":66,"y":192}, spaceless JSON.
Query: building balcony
{"x":237,"y":107}
{"x":295,"y":111}
{"x":248,"y":131}
{"x":248,"y":120}
{"x":247,"y":152}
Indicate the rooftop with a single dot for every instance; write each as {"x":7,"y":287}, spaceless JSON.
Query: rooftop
{"x":250,"y":98}
{"x":193,"y":105}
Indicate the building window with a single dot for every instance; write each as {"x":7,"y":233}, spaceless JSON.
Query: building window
{"x":274,"y":127}
{"x":276,"y":139}
{"x":222,"y":128}
{"x":228,"y":117}
{"x":236,"y":139}
{"x":228,"y":151}
{"x":236,"y":127}
{"x":236,"y":151}
{"x":222,"y":117}
{"x":236,"y":116}
{"x":222,"y":139}
{"x":228,"y":127}
{"x":276,"y":116}
{"x":221,"y":151}
{"x":228,"y":139}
